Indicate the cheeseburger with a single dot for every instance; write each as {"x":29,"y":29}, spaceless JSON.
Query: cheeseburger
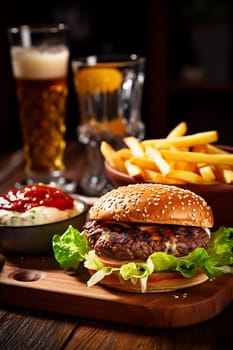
{"x":145,"y":238}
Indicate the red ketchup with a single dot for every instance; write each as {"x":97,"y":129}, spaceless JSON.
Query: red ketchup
{"x":31,"y":196}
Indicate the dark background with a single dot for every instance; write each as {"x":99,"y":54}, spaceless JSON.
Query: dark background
{"x":95,"y":27}
{"x":160,"y":30}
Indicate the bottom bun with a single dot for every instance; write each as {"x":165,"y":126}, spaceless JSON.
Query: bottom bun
{"x":156,"y":283}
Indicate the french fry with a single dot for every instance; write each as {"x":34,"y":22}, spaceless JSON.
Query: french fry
{"x":157,"y":177}
{"x":112,"y":157}
{"x":124,"y":153}
{"x":228,"y":175}
{"x":179,"y":130}
{"x":144,"y":163}
{"x":207,"y":173}
{"x":200,"y":149}
{"x":133,"y":170}
{"x":215,"y":150}
{"x":195,"y":157}
{"x":188,"y":141}
{"x":188,"y":177}
{"x":158,"y":159}
{"x":134,"y":145}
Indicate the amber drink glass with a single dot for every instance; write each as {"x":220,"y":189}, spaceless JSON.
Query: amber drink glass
{"x":109,"y":92}
{"x":40,"y":56}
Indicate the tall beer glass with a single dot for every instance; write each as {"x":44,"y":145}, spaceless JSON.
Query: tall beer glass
{"x":39,"y":56}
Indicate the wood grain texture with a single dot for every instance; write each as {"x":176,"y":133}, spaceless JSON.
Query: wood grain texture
{"x":39,"y":283}
{"x":69,"y":332}
{"x":34,"y":331}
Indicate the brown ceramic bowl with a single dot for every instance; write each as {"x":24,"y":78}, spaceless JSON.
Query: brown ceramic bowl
{"x":37,"y":239}
{"x":219,"y":197}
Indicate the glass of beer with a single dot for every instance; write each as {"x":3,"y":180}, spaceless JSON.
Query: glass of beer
{"x":109,"y":91}
{"x":40,"y":56}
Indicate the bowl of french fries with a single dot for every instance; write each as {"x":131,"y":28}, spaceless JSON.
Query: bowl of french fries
{"x":193,"y":161}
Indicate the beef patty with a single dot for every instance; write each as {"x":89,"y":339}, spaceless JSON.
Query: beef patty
{"x":138,"y":241}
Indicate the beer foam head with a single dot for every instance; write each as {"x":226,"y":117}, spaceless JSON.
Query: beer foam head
{"x":39,"y":63}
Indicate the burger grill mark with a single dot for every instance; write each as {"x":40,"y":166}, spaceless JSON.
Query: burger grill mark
{"x":132,"y":241}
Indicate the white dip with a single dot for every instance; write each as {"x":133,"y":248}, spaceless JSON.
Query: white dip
{"x":38,"y":215}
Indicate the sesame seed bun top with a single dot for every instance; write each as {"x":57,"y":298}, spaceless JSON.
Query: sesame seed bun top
{"x":153,"y":203}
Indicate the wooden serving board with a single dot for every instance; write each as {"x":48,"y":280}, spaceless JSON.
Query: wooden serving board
{"x":39,"y":283}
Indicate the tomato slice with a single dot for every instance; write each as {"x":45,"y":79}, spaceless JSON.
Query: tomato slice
{"x":115,"y":262}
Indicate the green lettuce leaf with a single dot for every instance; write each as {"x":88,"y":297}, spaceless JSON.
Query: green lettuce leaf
{"x":221,"y":246}
{"x":72,"y":248}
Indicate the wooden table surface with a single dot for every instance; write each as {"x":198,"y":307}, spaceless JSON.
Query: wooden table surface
{"x":25,"y":328}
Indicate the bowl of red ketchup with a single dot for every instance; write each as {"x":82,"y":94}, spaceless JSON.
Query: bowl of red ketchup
{"x":31,"y":215}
